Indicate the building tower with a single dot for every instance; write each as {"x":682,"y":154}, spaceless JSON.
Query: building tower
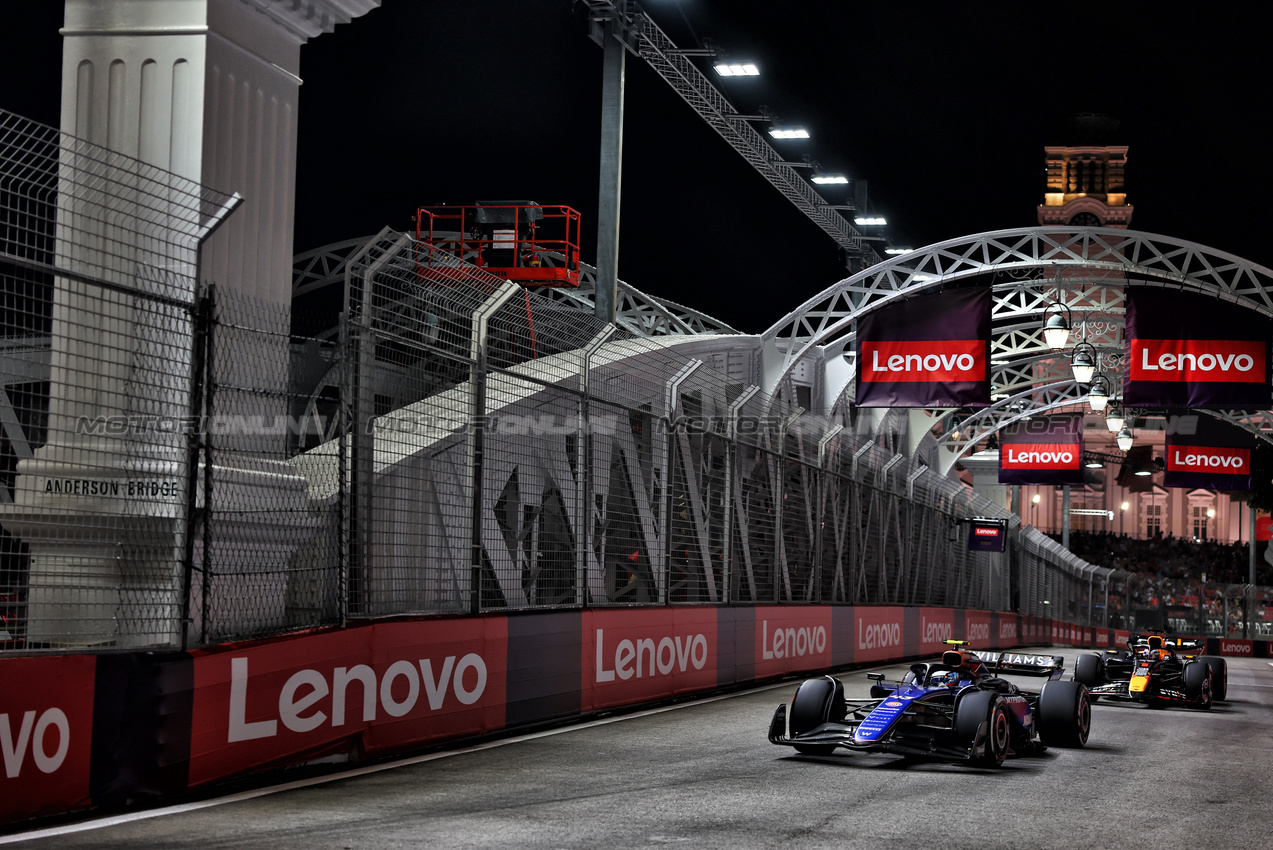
{"x":1085,"y":182}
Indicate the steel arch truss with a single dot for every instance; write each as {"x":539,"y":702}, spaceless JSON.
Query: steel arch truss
{"x":1084,"y":269}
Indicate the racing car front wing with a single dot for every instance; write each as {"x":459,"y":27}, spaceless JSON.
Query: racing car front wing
{"x":913,"y":739}
{"x":1122,"y":691}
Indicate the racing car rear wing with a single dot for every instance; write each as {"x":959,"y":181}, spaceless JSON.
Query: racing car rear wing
{"x":1023,"y":664}
{"x":1169,"y":642}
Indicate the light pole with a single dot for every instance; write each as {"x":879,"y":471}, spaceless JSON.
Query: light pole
{"x":1122,"y":510}
{"x":1034,"y":510}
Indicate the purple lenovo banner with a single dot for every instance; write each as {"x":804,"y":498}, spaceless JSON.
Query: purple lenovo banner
{"x":1217,"y":456}
{"x":1185,"y":349}
{"x":927,"y":351}
{"x":1042,"y":450}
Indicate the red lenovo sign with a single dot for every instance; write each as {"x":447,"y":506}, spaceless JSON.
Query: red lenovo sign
{"x":390,"y":685}
{"x":1209,"y":459}
{"x":635,"y":655}
{"x":46,"y":732}
{"x":1237,"y":647}
{"x":1040,"y":456}
{"x":927,"y":360}
{"x":1227,"y":361}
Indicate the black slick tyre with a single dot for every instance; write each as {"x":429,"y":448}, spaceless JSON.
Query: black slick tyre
{"x":1089,"y":670}
{"x":977,"y":707}
{"x":1219,"y":676}
{"x":1064,"y":714}
{"x":1198,"y":685}
{"x":813,"y":705}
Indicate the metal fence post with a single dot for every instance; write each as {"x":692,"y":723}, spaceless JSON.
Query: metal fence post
{"x":731,"y":462}
{"x":583,"y":481}
{"x":820,"y":520}
{"x":671,"y":402}
{"x":202,"y":321}
{"x":780,"y":547}
{"x":478,"y":351}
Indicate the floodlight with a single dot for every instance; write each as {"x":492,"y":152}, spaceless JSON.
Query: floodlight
{"x":734,"y":69}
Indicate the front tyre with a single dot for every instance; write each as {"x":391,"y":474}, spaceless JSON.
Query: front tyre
{"x":1088,"y":669}
{"x":1219,"y":676}
{"x":1065,"y":714}
{"x":976,"y":708}
{"x":817,"y":701}
{"x":1198,"y":685}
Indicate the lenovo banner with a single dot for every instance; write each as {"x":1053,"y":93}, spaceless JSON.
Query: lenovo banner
{"x":46,"y":728}
{"x":987,"y":535}
{"x":791,"y":639}
{"x":1042,"y":450}
{"x":1185,"y":349}
{"x":927,"y":351}
{"x":936,"y":626}
{"x":1217,"y":456}
{"x":383,"y":686}
{"x":638,"y":655}
{"x":878,"y":634}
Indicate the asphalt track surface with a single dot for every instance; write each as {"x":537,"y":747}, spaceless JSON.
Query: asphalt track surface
{"x":702,"y":774}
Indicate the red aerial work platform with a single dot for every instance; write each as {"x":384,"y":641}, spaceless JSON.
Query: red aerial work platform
{"x":522,"y":241}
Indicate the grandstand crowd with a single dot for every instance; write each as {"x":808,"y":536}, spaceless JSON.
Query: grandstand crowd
{"x":1173,"y":574}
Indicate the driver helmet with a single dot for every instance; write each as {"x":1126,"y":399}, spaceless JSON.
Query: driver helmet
{"x":944,"y":679}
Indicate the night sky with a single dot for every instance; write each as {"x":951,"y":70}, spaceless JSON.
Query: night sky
{"x":944,"y":110}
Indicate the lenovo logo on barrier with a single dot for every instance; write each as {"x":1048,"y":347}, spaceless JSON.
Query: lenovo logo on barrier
{"x":1239,"y":647}
{"x":1040,"y":456}
{"x":30,"y":734}
{"x":927,"y":360}
{"x":978,"y":631}
{"x":298,"y":702}
{"x":1208,"y":459}
{"x":1212,"y":360}
{"x":879,"y":636}
{"x":792,"y":643}
{"x":646,"y":657}
{"x":931,"y":632}
{"x":1007,"y":630}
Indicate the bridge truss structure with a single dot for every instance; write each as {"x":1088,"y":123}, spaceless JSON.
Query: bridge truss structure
{"x":1085,"y":270}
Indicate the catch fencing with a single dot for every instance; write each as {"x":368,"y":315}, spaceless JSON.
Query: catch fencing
{"x":181,"y":469}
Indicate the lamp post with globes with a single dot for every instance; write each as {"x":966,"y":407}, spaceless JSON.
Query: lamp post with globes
{"x":1122,"y":511}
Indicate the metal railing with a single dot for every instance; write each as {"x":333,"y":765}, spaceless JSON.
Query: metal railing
{"x":180,"y":471}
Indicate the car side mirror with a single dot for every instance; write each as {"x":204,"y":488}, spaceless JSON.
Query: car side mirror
{"x":875,"y":677}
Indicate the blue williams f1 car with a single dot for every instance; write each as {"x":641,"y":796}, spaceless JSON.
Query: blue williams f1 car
{"x":958,"y":709}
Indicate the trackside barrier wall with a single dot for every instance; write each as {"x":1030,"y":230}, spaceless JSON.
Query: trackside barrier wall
{"x":110,"y":729}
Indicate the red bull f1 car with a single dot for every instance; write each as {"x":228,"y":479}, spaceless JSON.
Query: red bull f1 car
{"x":957,"y":709}
{"x":1155,"y":670}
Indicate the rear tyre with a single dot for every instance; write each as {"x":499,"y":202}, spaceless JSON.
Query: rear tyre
{"x":1197,"y":681}
{"x":1219,"y":676}
{"x":813,"y":705}
{"x":1089,"y":670}
{"x":979,"y":707}
{"x":1065,"y":714}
